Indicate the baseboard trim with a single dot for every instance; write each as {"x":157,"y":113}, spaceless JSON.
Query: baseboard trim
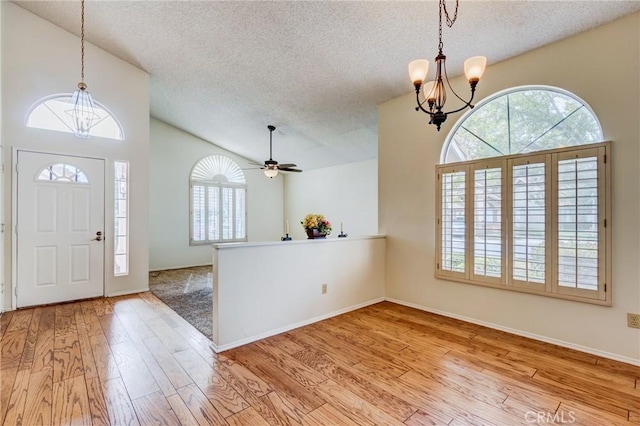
{"x":541,"y":338}
{"x":171,"y":268}
{"x":125,"y":292}
{"x":260,"y":336}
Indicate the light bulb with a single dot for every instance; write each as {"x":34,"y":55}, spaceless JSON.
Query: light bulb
{"x":428,"y":92}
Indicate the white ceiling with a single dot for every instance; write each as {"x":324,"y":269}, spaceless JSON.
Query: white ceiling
{"x":316,"y":70}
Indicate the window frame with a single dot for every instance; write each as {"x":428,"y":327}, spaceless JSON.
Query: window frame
{"x":551,"y":287}
{"x":218,"y":172}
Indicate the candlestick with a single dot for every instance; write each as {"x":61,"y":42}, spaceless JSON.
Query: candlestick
{"x":341,"y":227}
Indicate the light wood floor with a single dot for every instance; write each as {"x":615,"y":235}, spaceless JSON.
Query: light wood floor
{"x":131,"y":360}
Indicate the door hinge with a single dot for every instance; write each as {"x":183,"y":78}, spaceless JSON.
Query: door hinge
{"x":605,"y":223}
{"x":16,"y":229}
{"x":2,"y":168}
{"x":605,"y":287}
{"x":605,"y":159}
{"x":437,"y":266}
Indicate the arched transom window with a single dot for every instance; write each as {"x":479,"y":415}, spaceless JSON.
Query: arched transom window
{"x":62,"y":173}
{"x":522,"y":201}
{"x":218,"y":200}
{"x":522,"y":120}
{"x":52,"y":113}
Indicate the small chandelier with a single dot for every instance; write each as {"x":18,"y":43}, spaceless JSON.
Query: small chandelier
{"x":82,"y":106}
{"x":434,"y":92}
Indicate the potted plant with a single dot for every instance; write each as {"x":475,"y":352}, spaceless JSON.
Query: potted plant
{"x":316,"y":226}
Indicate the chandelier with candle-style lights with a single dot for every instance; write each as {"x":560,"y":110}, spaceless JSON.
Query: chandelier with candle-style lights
{"x":82,"y":109}
{"x":434,"y":93}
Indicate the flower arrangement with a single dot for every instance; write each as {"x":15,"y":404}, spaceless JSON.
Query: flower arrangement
{"x":317,"y":221}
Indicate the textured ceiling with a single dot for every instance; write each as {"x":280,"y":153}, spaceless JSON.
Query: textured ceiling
{"x":316,"y":70}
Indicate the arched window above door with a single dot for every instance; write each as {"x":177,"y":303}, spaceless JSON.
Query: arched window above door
{"x":50,"y":113}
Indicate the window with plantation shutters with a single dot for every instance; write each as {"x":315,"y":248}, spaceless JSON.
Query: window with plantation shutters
{"x":218,"y":201}
{"x":524,"y":201}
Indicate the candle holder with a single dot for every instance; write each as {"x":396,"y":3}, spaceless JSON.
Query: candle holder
{"x":285,"y":238}
{"x":343,"y":235}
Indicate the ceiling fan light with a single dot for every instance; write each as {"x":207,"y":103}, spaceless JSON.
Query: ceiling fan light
{"x":474,"y":68}
{"x":418,"y":70}
{"x":271,"y":173}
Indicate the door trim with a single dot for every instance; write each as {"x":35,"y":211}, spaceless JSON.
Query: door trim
{"x":14,"y":215}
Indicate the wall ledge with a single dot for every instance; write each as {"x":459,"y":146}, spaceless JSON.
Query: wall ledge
{"x":539,"y":337}
{"x":305,"y":241}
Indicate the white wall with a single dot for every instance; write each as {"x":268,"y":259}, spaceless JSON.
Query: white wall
{"x":267,"y":288}
{"x":173,"y":155}
{"x":606,"y":76}
{"x":40,"y":59}
{"x":347,"y":193}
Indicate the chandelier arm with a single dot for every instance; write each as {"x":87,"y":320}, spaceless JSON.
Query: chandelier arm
{"x":419,"y":107}
{"x":446,"y":77}
{"x":466,"y":104}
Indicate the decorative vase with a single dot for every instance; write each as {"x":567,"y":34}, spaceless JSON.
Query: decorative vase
{"x":313,"y":234}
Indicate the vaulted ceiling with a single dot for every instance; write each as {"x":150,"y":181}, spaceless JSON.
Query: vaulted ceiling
{"x":316,"y":70}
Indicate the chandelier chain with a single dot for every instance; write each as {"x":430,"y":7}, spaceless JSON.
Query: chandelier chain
{"x":82,"y":43}
{"x":450,"y":21}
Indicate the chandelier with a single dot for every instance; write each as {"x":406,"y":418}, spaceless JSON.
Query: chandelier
{"x":82,"y":106}
{"x":434,"y":92}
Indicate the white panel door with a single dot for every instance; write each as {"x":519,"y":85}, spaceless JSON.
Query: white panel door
{"x":60,"y":228}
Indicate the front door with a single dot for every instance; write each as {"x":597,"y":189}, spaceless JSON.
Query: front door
{"x":60,"y":228}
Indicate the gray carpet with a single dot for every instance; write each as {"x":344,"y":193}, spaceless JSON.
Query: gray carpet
{"x":188,"y":292}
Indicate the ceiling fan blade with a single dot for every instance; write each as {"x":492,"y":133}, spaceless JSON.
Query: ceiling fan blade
{"x":289,"y":169}
{"x":253,"y":163}
{"x":285,"y":166}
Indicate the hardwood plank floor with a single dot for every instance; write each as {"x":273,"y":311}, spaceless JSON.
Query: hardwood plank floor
{"x":130,"y":360}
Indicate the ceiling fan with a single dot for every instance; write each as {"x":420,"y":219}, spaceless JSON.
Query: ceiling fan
{"x":270,"y":166}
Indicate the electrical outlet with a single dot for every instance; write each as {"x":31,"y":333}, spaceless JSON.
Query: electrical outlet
{"x":324,"y":288}
{"x":633,"y":320}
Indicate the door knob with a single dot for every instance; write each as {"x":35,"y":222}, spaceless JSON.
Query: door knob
{"x":98,"y":236}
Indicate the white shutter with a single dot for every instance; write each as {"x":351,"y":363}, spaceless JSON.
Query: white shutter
{"x":579,"y":228}
{"x":227,"y":213}
{"x":213,"y":213}
{"x":529,"y":209}
{"x":488,"y":232}
{"x":240,"y":212}
{"x":198,"y":211}
{"x":452,"y":232}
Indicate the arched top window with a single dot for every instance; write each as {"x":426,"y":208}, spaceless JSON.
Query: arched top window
{"x":62,"y":173}
{"x":50,"y":113}
{"x":521,"y":120}
{"x":218,"y":202}
{"x":217,"y":168}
